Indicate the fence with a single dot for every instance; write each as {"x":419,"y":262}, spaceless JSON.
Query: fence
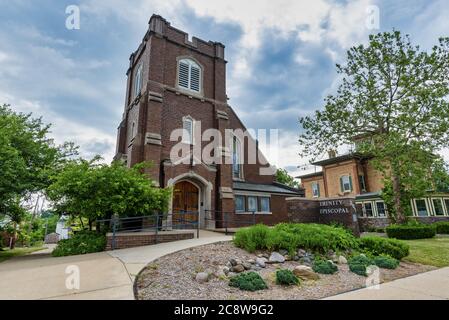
{"x":157,"y":224}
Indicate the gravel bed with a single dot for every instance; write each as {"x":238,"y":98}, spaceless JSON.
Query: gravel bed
{"x":172,"y":277}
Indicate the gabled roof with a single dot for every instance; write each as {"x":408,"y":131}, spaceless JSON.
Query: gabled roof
{"x":310,"y":175}
{"x":341,"y":158}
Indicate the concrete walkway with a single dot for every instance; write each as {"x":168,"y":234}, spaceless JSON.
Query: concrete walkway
{"x":104,"y":275}
{"x":433,"y":285}
{"x":136,"y":259}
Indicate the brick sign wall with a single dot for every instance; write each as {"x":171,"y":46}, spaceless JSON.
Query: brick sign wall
{"x":328,"y":211}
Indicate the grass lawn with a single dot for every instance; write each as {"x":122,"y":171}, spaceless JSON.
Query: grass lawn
{"x":4,"y":255}
{"x":434,"y":252}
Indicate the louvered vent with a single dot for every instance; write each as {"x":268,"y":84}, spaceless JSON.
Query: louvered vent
{"x":184,"y":75}
{"x":195,"y":79}
{"x":188,"y":131}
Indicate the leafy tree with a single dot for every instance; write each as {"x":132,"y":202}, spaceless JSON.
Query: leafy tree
{"x":28,"y":157}
{"x":92,"y":190}
{"x":394,"y":96}
{"x":283,"y":177}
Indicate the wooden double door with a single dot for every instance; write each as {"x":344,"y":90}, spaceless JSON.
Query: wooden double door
{"x":186,"y":197}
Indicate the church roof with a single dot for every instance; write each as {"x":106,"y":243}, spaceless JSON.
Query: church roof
{"x":269,"y":188}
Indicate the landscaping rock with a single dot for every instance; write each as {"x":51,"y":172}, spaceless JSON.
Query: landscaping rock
{"x":251,"y":261}
{"x":229,"y":264}
{"x":305,"y":273}
{"x":247,"y":265}
{"x":302,"y":253}
{"x":276,"y":257}
{"x":260,"y":262}
{"x":226,"y":270}
{"x":238,"y":268}
{"x":202,"y":277}
{"x":220,"y":273}
{"x":342,"y":260}
{"x":283,"y":252}
{"x":235,"y":261}
{"x":296,"y":258}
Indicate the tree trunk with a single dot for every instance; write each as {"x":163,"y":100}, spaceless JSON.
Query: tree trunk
{"x":400,"y":217}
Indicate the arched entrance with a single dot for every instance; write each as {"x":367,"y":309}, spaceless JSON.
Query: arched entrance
{"x":186,"y":204}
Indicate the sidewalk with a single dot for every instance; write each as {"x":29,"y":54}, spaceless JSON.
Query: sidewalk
{"x":433,"y":285}
{"x":104,"y":275}
{"x":135,"y":259}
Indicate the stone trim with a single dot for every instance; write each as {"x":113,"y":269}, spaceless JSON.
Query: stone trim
{"x":154,"y":96}
{"x":153,"y":138}
{"x":222,"y":115}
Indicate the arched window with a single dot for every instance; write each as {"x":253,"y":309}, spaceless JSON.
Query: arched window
{"x":189,"y":75}
{"x":236,"y":158}
{"x":187,"y":126}
{"x":138,"y":81}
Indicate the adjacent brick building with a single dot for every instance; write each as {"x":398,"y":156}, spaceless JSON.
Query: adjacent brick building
{"x":176,"y":83}
{"x":353,"y":176}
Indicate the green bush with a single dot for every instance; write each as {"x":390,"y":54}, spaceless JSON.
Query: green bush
{"x":288,"y":236}
{"x":324,"y":267}
{"x":248,"y":281}
{"x":411,"y":231}
{"x":442,"y":227}
{"x":386,"y":262}
{"x":81,"y":243}
{"x":252,"y":238}
{"x":286,"y":277}
{"x":381,"y":246}
{"x":358,"y":264}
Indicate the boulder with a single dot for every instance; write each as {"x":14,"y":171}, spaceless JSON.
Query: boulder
{"x":276,"y":257}
{"x":302,"y":253}
{"x":260,"y":262}
{"x":202,"y":277}
{"x":305,"y":273}
{"x":247,"y":265}
{"x":283,"y":252}
{"x":234,"y":262}
{"x":251,"y":261}
{"x":238,"y":268}
{"x":342,"y":260}
{"x":225,"y":270}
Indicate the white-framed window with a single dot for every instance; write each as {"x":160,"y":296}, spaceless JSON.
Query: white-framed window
{"x":421,"y":208}
{"x":188,"y":130}
{"x":362,"y":183}
{"x":239,"y":203}
{"x":438,"y":206}
{"x":315,"y":189}
{"x":381,"y":209}
{"x":189,"y":75}
{"x":252,"y":204}
{"x":138,"y":80}
{"x":346,"y":183}
{"x":265,"y":204}
{"x":236,"y":158}
{"x":446,"y":204}
{"x":368,"y":209}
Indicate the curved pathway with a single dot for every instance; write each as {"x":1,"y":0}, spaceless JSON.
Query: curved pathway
{"x":104,"y":275}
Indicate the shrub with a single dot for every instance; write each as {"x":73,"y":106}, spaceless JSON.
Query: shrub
{"x":289,"y":236}
{"x":249,"y":281}
{"x":381,"y":246}
{"x":286,"y":277}
{"x":358,"y":264}
{"x":252,"y":238}
{"x":411,"y":231}
{"x":324,"y":267}
{"x":81,"y":243}
{"x":386,"y":262}
{"x":442,"y":227}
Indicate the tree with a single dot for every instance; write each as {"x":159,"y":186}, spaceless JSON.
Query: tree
{"x":394,"y":96}
{"x":27,"y":156}
{"x":91,"y":190}
{"x":283,"y":177}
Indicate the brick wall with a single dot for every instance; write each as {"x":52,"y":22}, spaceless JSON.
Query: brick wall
{"x":132,"y":240}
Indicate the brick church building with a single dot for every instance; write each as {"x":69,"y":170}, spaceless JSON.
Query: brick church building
{"x":175,"y":83}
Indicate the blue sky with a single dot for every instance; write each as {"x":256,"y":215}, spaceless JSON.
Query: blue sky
{"x":281,"y":54}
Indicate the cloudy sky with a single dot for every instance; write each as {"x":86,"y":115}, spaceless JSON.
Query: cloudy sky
{"x":281,"y":54}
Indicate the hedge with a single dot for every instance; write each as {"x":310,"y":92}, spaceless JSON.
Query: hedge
{"x":411,"y":231}
{"x":381,"y":246}
{"x":442,"y":227}
{"x":81,"y":243}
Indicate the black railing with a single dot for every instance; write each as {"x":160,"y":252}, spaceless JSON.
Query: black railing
{"x":228,"y":219}
{"x":185,"y":220}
